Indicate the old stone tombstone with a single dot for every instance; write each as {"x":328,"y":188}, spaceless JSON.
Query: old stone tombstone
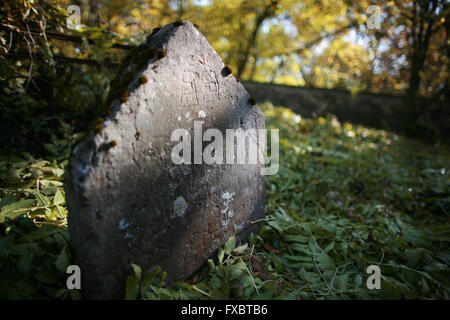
{"x":128,"y":201}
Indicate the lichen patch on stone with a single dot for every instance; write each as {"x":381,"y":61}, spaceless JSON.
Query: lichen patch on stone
{"x":179,"y":207}
{"x":123,"y":224}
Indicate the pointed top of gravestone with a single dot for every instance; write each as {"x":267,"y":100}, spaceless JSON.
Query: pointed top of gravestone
{"x":128,"y":202}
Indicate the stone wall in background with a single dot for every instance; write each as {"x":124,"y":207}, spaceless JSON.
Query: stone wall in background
{"x":374,"y":110}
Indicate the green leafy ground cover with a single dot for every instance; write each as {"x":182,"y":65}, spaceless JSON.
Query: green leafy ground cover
{"x":345,"y":197}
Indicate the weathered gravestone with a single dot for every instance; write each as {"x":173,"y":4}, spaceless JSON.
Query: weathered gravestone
{"x":128,"y":202}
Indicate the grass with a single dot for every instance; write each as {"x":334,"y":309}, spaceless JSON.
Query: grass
{"x":345,"y":197}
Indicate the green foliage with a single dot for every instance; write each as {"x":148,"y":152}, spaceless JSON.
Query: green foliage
{"x":34,"y":251}
{"x":41,"y":80}
{"x":346,"y":197}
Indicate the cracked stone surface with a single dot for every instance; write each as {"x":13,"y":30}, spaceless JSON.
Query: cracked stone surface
{"x":128,"y":202}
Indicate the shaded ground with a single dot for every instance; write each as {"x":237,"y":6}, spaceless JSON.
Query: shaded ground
{"x":345,"y":198}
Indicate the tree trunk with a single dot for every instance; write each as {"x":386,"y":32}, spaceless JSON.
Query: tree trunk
{"x":268,"y":12}
{"x":95,"y":15}
{"x":424,"y":12}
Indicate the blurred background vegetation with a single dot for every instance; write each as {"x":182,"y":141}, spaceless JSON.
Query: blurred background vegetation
{"x":48,"y":71}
